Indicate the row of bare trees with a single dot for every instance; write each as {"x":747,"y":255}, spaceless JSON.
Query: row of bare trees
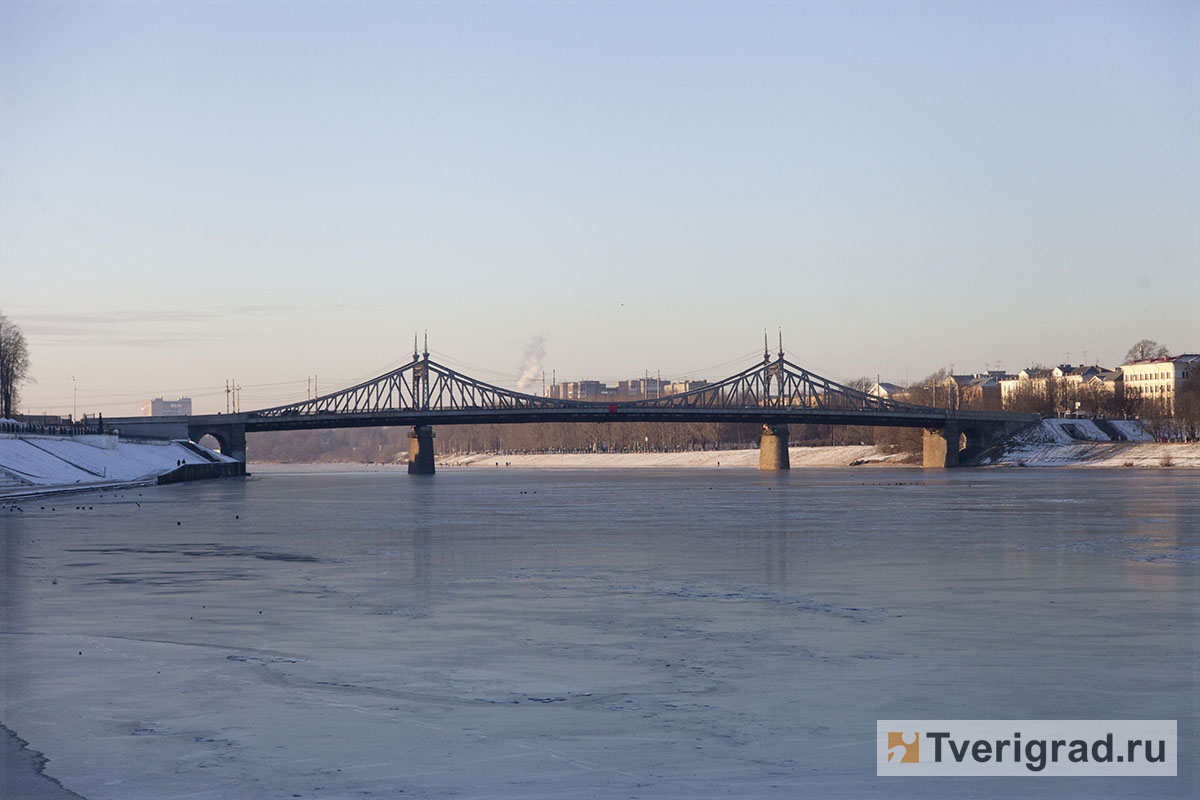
{"x":1051,"y":397}
{"x":391,"y":444}
{"x":383,"y":445}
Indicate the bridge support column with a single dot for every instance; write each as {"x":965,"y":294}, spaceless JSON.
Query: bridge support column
{"x":420,"y":450}
{"x":773,"y":448}
{"x":237,"y":443}
{"x":939,"y":447}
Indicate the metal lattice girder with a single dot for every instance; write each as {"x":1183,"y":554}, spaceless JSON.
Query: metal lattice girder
{"x":425,"y":385}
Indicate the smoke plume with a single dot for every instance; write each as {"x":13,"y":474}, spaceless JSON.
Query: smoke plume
{"x":531,"y":364}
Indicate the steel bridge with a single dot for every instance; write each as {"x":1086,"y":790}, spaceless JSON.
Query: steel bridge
{"x":422,"y":393}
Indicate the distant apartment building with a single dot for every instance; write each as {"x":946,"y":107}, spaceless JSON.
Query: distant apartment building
{"x":1030,"y":382}
{"x":1064,"y":389}
{"x":640,"y":389}
{"x":1078,"y":375}
{"x":682,"y":387}
{"x":1109,"y":382}
{"x":634,"y":389}
{"x":1157,"y":380}
{"x":581,"y":390}
{"x":977,"y":391}
{"x":159,"y":407}
{"x":1031,"y":379}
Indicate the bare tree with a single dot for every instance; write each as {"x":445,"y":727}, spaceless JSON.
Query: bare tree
{"x":14,"y":366}
{"x":855,"y":434}
{"x":1146,"y":348}
{"x":1187,"y":405}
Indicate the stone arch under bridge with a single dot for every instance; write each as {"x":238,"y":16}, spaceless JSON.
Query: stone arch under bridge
{"x":230,"y":438}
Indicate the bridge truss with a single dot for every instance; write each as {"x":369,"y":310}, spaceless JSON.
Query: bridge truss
{"x":423,"y":386}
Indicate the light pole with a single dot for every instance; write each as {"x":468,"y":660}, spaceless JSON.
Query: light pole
{"x":74,"y":400}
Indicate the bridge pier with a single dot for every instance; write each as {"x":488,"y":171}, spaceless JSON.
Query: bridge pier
{"x":939,"y":447}
{"x":962,"y":441}
{"x":773,"y":448}
{"x":420,"y":450}
{"x":237,"y":442}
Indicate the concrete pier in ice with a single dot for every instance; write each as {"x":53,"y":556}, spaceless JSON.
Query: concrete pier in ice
{"x":420,"y":450}
{"x":773,"y":448}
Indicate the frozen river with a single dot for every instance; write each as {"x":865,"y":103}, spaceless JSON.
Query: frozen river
{"x":556,"y":634}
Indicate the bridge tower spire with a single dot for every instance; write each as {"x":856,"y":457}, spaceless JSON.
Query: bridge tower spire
{"x":420,"y":375}
{"x":420,"y":437}
{"x":773,"y":440}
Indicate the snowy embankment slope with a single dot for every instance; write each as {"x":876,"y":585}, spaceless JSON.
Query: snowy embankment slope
{"x":1052,"y":443}
{"x":33,"y":462}
{"x":1081,"y":443}
{"x":799,"y":456}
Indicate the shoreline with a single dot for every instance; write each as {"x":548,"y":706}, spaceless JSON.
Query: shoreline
{"x":1136,"y":455}
{"x":23,"y":772}
{"x":1081,"y":455}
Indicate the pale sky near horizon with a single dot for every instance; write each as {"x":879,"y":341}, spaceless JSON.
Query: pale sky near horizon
{"x":191,"y":192}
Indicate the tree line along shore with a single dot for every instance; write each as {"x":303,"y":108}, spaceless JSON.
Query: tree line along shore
{"x":459,"y":443}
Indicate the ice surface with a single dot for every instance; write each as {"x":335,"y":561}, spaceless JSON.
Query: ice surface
{"x":545,"y":634}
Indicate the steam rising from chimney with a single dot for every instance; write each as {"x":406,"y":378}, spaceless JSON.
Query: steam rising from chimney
{"x":531,"y":366}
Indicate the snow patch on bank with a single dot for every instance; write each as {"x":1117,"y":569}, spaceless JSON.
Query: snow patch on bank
{"x":1131,"y":429}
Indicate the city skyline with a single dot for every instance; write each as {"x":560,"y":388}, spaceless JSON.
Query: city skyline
{"x":199,"y":193}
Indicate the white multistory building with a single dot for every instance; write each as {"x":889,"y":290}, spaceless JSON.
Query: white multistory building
{"x":1157,"y":380}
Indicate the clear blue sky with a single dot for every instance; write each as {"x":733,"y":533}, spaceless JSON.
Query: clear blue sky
{"x":190,"y":192}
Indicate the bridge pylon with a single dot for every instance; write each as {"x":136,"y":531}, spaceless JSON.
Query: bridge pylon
{"x":773,"y":448}
{"x":420,"y":450}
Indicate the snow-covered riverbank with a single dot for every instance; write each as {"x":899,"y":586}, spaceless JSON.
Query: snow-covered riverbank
{"x":1052,"y":443}
{"x":800,"y":457}
{"x":1083,"y":443}
{"x":34,"y":464}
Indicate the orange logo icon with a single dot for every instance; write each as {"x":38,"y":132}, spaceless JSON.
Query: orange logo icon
{"x":904,"y":748}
